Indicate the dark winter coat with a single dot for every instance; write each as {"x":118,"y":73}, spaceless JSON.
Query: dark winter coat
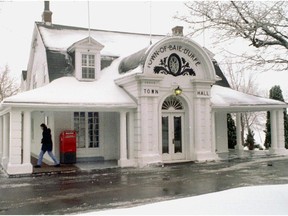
{"x":46,"y":140}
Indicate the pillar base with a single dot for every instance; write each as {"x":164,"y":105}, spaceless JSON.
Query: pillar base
{"x":281,"y":151}
{"x":4,"y":162}
{"x":15,"y":169}
{"x":126,"y":163}
{"x":206,"y":156}
{"x":145,"y":160}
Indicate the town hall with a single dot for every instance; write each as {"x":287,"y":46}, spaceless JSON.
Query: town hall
{"x":137,"y":99}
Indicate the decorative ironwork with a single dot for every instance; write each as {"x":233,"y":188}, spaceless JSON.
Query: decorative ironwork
{"x":175,"y":66}
{"x":173,"y":102}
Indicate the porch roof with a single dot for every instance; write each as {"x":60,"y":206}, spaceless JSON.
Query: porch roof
{"x":227,"y":99}
{"x":68,"y":92}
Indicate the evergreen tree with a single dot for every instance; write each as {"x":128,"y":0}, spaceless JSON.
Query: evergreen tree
{"x":231,"y":130}
{"x":276,"y":94}
{"x":250,"y":141}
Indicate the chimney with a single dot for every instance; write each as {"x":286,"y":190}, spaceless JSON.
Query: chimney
{"x":47,"y":14}
{"x":177,"y":31}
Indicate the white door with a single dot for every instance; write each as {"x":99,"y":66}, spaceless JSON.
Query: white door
{"x":172,"y":136}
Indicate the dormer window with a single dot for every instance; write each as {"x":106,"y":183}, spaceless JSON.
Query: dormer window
{"x":86,"y":53}
{"x":88,"y":66}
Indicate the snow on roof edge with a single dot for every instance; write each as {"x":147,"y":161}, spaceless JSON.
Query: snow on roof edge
{"x":227,"y":98}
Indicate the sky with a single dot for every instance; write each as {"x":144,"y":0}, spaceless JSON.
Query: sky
{"x":253,"y":200}
{"x":17,"y":20}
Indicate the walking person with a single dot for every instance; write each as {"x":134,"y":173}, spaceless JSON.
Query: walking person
{"x":47,"y":145}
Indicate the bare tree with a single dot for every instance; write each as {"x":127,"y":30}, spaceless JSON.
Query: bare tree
{"x":245,"y":81}
{"x":8,"y":85}
{"x":264,"y":24}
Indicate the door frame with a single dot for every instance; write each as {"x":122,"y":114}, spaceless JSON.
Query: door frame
{"x":171,"y":155}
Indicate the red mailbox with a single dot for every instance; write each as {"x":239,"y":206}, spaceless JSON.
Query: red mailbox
{"x":68,"y":146}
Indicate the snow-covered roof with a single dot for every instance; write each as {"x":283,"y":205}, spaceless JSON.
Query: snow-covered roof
{"x":228,"y":99}
{"x":68,"y":92}
{"x":59,"y":38}
{"x":103,"y":93}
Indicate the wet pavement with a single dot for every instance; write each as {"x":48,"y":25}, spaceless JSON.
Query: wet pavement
{"x":94,"y":190}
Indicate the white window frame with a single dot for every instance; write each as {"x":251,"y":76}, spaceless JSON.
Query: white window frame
{"x":95,"y":128}
{"x":87,"y":64}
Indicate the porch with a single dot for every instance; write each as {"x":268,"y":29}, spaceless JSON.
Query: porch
{"x":47,"y":169}
{"x":20,"y":135}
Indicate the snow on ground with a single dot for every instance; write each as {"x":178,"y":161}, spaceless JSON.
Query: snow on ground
{"x":262,"y":200}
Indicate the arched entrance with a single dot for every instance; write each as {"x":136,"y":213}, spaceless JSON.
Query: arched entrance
{"x":173,"y":145}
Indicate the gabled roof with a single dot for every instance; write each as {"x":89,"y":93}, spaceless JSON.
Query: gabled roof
{"x":58,"y":38}
{"x":88,"y":41}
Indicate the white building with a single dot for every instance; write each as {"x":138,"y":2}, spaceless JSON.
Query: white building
{"x":119,"y":93}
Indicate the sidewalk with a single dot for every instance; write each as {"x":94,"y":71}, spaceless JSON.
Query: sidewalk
{"x":90,"y":166}
{"x":108,"y":188}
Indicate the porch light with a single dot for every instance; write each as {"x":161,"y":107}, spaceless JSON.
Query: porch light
{"x":178,"y":91}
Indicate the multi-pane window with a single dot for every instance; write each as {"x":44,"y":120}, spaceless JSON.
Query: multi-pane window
{"x":79,"y":127}
{"x":88,"y":66}
{"x":86,"y":125}
{"x":93,"y":129}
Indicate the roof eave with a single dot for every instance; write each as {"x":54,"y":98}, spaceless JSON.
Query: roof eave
{"x":70,"y":106}
{"x":248,"y":108}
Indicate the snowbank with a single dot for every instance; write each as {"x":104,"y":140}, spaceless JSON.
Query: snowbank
{"x":263,"y":200}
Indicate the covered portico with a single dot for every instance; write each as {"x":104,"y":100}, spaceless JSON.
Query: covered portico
{"x":17,"y":121}
{"x":15,"y":140}
{"x":226,"y":100}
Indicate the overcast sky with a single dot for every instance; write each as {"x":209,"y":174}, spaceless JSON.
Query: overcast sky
{"x":17,"y":20}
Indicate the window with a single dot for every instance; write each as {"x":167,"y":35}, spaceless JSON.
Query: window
{"x":93,"y":129}
{"x":172,"y":102}
{"x":86,"y":125}
{"x":88,"y":66}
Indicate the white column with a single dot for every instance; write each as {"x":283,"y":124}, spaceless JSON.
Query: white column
{"x":238,"y":132}
{"x":203,"y":139}
{"x":1,"y":137}
{"x":213,"y":132}
{"x":280,"y":130}
{"x":27,"y":138}
{"x":15,"y":137}
{"x":131,"y":154}
{"x":277,"y":133}
{"x":15,"y":165}
{"x":144,"y":127}
{"x":197,"y":125}
{"x":221,"y":134}
{"x":123,"y":139}
{"x":5,"y":133}
{"x":273,"y":123}
{"x":155,"y":127}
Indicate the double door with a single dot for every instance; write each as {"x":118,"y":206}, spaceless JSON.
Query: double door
{"x":172,"y":136}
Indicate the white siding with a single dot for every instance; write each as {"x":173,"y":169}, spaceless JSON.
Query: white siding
{"x":38,"y":67}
